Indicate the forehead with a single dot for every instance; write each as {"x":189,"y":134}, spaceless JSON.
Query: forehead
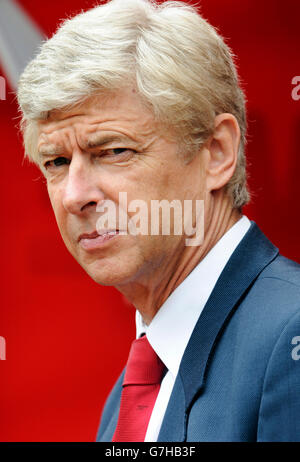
{"x":123,"y":111}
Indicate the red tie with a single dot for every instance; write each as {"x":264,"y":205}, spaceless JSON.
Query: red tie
{"x":144,"y":372}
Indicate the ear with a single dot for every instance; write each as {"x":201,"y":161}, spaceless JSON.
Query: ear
{"x":221,"y":151}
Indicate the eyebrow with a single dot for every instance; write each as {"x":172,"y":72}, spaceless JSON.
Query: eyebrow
{"x":50,"y":150}
{"x":94,"y":142}
{"x":99,"y":140}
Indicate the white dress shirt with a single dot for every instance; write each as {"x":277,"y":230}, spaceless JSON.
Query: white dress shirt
{"x":171,"y":328}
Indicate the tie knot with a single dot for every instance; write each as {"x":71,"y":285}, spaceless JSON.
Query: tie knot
{"x":143,"y":367}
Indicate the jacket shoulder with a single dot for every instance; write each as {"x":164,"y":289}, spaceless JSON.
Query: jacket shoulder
{"x":280,"y":402}
{"x":277,"y":290}
{"x":283,"y":269}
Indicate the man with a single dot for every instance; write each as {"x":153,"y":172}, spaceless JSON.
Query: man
{"x":132,"y":103}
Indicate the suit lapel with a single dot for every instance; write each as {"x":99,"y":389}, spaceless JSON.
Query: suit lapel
{"x":110,"y":413}
{"x":174,"y":424}
{"x":251,"y":256}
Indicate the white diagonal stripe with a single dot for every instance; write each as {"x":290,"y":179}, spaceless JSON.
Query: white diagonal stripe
{"x":19,"y":39}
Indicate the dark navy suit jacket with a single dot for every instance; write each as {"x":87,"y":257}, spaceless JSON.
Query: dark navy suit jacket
{"x":239,"y":378}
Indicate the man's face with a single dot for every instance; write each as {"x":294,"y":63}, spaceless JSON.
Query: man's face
{"x":103,"y":147}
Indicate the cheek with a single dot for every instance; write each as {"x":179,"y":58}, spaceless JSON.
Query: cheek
{"x":55,"y":197}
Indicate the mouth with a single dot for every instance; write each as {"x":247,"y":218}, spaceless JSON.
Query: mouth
{"x":96,"y":239}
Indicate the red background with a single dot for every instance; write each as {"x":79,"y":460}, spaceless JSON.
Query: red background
{"x":67,"y":338}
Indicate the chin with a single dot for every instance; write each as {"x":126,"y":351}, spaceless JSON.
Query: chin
{"x":109,"y":275}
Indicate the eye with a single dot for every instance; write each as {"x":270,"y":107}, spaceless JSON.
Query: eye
{"x":58,"y":162}
{"x":117,"y":151}
{"x":116,"y":154}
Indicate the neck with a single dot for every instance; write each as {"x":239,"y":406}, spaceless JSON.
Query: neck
{"x":148,"y":296}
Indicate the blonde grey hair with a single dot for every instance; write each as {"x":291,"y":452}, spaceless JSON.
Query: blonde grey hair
{"x":179,"y":64}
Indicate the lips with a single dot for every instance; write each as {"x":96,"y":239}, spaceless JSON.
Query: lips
{"x":92,"y":235}
{"x":95,"y":234}
{"x":95,"y":240}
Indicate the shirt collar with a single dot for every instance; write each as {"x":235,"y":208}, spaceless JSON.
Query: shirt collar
{"x":172,"y":326}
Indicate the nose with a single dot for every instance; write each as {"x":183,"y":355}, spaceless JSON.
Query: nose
{"x":81,"y":191}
